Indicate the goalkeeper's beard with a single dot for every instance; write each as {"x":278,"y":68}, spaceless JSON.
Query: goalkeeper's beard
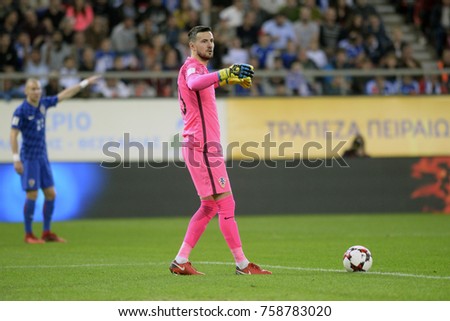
{"x":206,"y":56}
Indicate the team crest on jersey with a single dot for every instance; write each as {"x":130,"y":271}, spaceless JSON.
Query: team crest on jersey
{"x":222,"y":182}
{"x":42,"y":109}
{"x":31,"y":182}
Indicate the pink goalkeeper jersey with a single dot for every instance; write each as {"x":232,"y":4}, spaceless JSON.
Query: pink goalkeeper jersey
{"x":196,"y":95}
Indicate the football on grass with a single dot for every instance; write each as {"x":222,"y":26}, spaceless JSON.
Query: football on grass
{"x":357,"y":259}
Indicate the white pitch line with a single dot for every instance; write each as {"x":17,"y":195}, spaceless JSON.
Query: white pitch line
{"x":419,"y":276}
{"x":77,"y":265}
{"x":398,"y":274}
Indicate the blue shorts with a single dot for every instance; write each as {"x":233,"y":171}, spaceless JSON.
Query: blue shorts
{"x":37,"y":174}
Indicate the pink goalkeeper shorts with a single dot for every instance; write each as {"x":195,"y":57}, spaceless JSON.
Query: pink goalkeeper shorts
{"x":208,"y":172}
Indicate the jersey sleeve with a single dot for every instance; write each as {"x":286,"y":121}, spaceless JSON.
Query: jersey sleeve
{"x":196,"y":80}
{"x":49,"y":102}
{"x":16,"y":121}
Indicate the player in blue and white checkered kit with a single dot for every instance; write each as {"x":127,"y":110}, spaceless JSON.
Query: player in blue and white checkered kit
{"x":32,"y":164}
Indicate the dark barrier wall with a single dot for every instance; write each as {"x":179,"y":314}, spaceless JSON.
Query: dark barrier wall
{"x":365,"y":186}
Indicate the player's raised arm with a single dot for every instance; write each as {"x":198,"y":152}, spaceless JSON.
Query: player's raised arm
{"x":72,"y":91}
{"x":241,"y":74}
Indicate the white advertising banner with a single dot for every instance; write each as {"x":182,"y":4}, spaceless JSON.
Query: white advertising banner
{"x":107,"y":130}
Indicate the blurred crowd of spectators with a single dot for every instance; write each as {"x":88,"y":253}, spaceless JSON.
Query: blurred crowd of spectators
{"x":60,"y":38}
{"x":432,"y":17}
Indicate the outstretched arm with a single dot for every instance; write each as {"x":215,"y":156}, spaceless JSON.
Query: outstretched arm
{"x":198,"y":82}
{"x":236,"y":74}
{"x":72,"y":91}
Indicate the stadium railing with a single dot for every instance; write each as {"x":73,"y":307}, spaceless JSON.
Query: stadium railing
{"x":307,"y":73}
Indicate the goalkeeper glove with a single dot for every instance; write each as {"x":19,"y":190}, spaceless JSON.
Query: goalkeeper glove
{"x":238,"y":70}
{"x":246,"y":83}
{"x":233,"y":80}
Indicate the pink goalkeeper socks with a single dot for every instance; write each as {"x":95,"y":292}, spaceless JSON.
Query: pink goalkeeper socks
{"x":239,"y":257}
{"x":229,"y":227}
{"x":196,"y":227}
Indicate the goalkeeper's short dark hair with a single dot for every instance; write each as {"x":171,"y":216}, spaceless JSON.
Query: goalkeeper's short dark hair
{"x":197,"y":29}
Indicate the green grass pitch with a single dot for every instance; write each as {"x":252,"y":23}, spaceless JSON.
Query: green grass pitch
{"x":128,"y":259}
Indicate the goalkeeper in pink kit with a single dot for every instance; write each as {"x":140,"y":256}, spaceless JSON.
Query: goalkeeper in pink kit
{"x":202,"y":150}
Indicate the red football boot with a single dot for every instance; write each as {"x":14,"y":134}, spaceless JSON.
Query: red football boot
{"x":31,"y":239}
{"x":48,"y":236}
{"x":251,"y":268}
{"x":183,"y":269}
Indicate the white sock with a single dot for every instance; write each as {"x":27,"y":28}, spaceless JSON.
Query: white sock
{"x":181,"y":260}
{"x":242,"y":264}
